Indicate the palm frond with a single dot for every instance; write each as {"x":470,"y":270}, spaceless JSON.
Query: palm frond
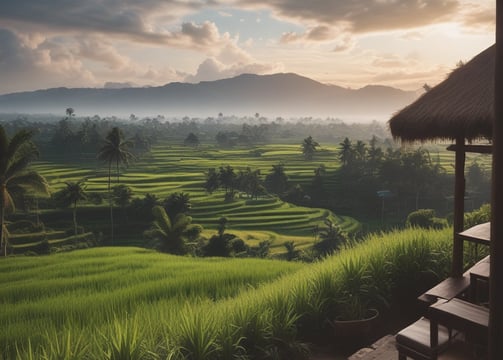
{"x":19,"y":141}
{"x":162,"y":219}
{"x":29,"y":181}
{"x":17,"y":165}
{"x":181,"y":222}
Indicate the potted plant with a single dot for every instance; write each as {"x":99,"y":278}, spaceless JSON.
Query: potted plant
{"x":357,"y":301}
{"x":355,"y":317}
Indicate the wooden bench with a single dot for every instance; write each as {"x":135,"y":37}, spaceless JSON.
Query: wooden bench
{"x":471,"y":319}
{"x":415,"y":341}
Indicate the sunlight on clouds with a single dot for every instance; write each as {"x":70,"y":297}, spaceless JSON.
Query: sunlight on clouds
{"x":395,"y":42}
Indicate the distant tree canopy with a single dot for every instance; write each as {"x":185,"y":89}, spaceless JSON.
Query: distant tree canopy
{"x":248,"y":181}
{"x":276,"y":181}
{"x":191,"y":140}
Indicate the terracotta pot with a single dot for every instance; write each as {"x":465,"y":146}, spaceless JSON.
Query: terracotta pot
{"x":355,"y":328}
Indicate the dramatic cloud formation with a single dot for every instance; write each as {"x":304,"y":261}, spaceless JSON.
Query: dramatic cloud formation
{"x":135,"y":19}
{"x":152,"y":42}
{"x":47,"y":63}
{"x":361,"y":16}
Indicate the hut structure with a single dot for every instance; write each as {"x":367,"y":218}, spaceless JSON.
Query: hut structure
{"x":462,"y":109}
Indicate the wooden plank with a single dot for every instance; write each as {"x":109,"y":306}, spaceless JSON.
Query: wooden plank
{"x":480,"y":234}
{"x":479,"y":149}
{"x":448,"y":289}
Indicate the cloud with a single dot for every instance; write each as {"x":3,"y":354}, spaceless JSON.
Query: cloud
{"x":362,"y":16}
{"x":130,"y":18}
{"x":24,"y":66}
{"x":34,"y":62}
{"x":394,"y":61}
{"x":213,"y":69}
{"x":478,"y":16}
{"x":98,"y":49}
{"x":344,"y":44}
{"x":315,"y":34}
{"x":411,"y":78}
{"x":202,"y":36}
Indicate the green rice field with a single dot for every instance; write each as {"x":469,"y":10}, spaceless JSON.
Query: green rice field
{"x":90,"y":301}
{"x":170,"y":168}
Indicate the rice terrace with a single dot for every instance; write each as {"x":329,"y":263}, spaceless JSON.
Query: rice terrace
{"x":251,"y":180}
{"x":176,"y":168}
{"x":275,"y":252}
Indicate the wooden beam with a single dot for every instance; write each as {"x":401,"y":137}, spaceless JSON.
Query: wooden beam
{"x":459,"y":209}
{"x":479,"y":149}
{"x":496,"y":265}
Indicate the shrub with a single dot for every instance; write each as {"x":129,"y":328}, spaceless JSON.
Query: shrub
{"x":425,"y":218}
{"x":479,"y":216}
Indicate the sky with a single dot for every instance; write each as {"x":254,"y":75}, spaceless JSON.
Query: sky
{"x":350,"y":43}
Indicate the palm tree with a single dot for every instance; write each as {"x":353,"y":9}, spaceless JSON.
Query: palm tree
{"x":15,"y":177}
{"x":291,"y":251}
{"x":70,"y":196}
{"x":346,"y":152}
{"x":176,"y":203}
{"x":69,"y":112}
{"x":309,"y":147}
{"x":212,"y":181}
{"x":227,"y":178}
{"x":115,"y":150}
{"x":332,"y":237}
{"x":172,"y":235}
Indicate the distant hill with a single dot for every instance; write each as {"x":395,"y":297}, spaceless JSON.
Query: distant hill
{"x":287,"y":95}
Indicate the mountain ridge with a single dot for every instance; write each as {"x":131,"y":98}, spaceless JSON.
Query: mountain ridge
{"x":281,"y":94}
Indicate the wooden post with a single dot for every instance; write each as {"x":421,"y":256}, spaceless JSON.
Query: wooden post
{"x":459,"y":208}
{"x":496,"y":266}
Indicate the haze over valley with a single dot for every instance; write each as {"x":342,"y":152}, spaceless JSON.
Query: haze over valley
{"x":285,"y":95}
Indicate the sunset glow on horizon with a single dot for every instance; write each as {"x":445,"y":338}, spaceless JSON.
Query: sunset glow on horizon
{"x":399,"y":43}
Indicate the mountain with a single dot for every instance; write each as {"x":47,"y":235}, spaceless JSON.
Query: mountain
{"x":287,"y":95}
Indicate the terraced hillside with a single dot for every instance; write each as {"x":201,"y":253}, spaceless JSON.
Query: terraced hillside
{"x":171,"y":168}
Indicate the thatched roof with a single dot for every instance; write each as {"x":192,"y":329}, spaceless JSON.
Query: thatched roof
{"x":461,"y":105}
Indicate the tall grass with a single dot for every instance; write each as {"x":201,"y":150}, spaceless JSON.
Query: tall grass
{"x":223,"y":309}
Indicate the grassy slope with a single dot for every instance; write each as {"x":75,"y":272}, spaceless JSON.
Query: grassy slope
{"x":40,"y":294}
{"x":172,"y":299}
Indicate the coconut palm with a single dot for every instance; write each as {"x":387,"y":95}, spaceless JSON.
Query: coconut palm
{"x":172,"y":235}
{"x":309,"y":147}
{"x":70,"y":196}
{"x":176,"y":203}
{"x":346,"y":152}
{"x":115,"y":151}
{"x":15,"y":177}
